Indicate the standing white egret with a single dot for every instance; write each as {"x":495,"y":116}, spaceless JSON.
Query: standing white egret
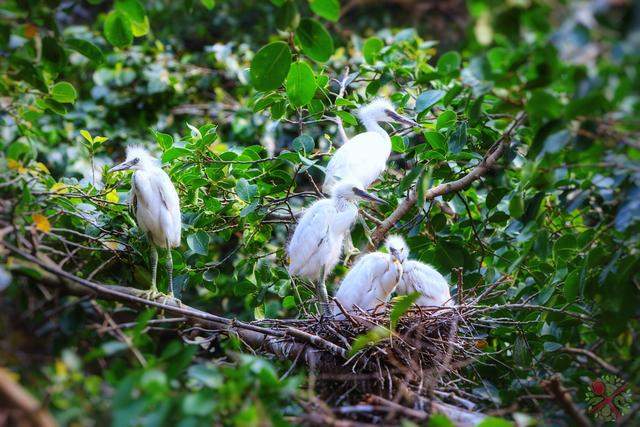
{"x":364,"y":157}
{"x":419,"y":277}
{"x":156,"y":205}
{"x":316,"y":245}
{"x":370,"y":282}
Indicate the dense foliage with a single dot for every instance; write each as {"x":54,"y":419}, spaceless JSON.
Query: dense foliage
{"x":241,"y":101}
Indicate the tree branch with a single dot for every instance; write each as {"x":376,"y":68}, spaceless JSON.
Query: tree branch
{"x":477,"y":172}
{"x":563,"y":398}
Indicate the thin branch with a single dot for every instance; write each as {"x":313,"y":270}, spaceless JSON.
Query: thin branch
{"x":476,"y":173}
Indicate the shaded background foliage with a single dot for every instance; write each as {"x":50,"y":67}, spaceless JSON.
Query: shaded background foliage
{"x":556,"y":224}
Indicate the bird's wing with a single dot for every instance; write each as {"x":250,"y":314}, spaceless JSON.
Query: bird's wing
{"x":430,"y":283}
{"x":363,"y":158}
{"x":311,"y":231}
{"x":132,"y":195}
{"x":170,"y":217}
{"x":143,"y":189}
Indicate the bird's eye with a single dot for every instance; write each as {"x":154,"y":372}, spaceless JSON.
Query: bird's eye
{"x":135,"y":161}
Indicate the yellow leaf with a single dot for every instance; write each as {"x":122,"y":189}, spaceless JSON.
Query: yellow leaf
{"x":59,"y":188}
{"x":86,"y":135}
{"x":112,"y":196}
{"x":113,"y":245}
{"x":16,"y":165}
{"x":218,"y":148}
{"x":61,"y":369}
{"x":42,"y":168}
{"x":99,"y":139}
{"x":41,"y":222}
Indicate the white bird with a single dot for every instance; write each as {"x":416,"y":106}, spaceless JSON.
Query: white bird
{"x":364,"y":157}
{"x":316,"y":245}
{"x":370,"y":282}
{"x":156,"y":205}
{"x":419,"y":277}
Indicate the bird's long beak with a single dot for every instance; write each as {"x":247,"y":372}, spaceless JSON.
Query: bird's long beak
{"x":122,"y":166}
{"x":401,"y":119}
{"x":365,"y":195}
{"x":394,"y":253}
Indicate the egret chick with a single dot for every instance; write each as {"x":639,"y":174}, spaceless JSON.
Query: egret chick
{"x":370,"y":282}
{"x":364,"y":157}
{"x":419,"y":277}
{"x":156,"y":206}
{"x":316,"y":245}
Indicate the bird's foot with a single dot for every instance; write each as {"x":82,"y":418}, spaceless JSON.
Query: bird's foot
{"x":351,"y":253}
{"x":152,"y":294}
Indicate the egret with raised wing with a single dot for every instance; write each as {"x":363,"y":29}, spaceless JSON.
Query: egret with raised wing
{"x":370,"y":282}
{"x":420,"y":277}
{"x":156,"y":206}
{"x":316,"y":245}
{"x":364,"y":157}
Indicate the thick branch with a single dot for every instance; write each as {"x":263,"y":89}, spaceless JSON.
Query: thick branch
{"x":449,"y":187}
{"x":563,"y":398}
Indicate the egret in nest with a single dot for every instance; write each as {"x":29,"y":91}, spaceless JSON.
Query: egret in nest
{"x":364,"y":157}
{"x":370,"y":282}
{"x":420,"y":277}
{"x":316,"y":245}
{"x":156,"y":205}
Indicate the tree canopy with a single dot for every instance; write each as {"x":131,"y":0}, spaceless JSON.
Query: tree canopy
{"x":521,"y":185}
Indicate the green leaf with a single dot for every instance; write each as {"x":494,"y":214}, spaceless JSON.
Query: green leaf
{"x":289,"y":302}
{"x":208,"y":4}
{"x":174,"y":153}
{"x":315,"y":40}
{"x":372,"y":337}
{"x":440,"y":420}
{"x":550,"y":346}
{"x":495,"y":422}
{"x":117,"y":29}
{"x":397,"y":144}
{"x":164,"y":140}
{"x":565,"y":247}
{"x":270,"y":66}
{"x":371,"y":48}
{"x":436,"y":140}
{"x":136,"y":14}
{"x":198,"y":242}
{"x":86,"y":135}
{"x":303,"y":143}
{"x":246,"y":191}
{"x":446,"y":120}
{"x":64,"y":92}
{"x":427,"y":99}
{"x":449,"y":62}
{"x":328,"y":9}
{"x":301,"y":84}
{"x":288,"y":17}
{"x":87,"y":49}
{"x":400,"y":307}
{"x":458,"y":138}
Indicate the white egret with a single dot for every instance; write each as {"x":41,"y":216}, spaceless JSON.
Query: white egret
{"x":364,"y":157}
{"x":156,"y":205}
{"x":420,"y":277}
{"x":316,"y":245}
{"x":370,"y":282}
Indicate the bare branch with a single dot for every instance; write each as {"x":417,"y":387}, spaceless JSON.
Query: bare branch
{"x":449,"y":187}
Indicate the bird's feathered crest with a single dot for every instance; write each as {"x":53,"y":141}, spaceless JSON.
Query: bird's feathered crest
{"x":139,"y":152}
{"x":396,"y":242}
{"x":375,"y":107}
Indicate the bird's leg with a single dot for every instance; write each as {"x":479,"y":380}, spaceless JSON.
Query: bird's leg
{"x":154,"y":268}
{"x":323,"y":296}
{"x":349,"y":249}
{"x":367,"y":230}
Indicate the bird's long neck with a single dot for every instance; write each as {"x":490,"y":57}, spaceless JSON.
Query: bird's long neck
{"x":372,"y":126}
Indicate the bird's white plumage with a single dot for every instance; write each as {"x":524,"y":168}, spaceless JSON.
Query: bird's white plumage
{"x":364,"y":157}
{"x":419,"y":277}
{"x":369,"y":283}
{"x":155,"y":199}
{"x":317,"y":240}
{"x":422,"y":278}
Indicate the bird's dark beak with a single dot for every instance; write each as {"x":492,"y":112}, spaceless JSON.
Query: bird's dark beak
{"x":365,"y":195}
{"x":401,"y":119}
{"x":394,"y":253}
{"x":122,"y":166}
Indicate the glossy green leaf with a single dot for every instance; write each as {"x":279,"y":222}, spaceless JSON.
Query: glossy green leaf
{"x":300,"y":84}
{"x":428,"y":99}
{"x":86,"y":48}
{"x":117,"y":29}
{"x":64,"y":92}
{"x":270,"y":66}
{"x":371,"y":48}
{"x":328,"y":9}
{"x":315,"y":40}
